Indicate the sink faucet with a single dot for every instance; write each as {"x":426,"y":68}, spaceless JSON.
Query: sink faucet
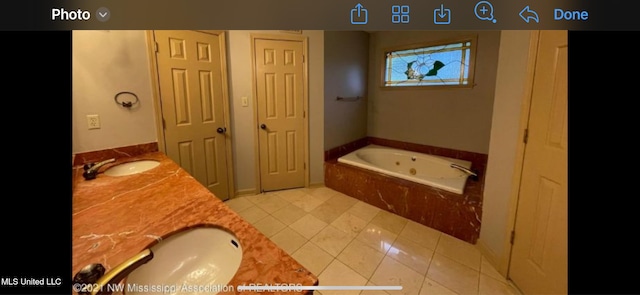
{"x":94,"y":281}
{"x":464,"y":169}
{"x":91,"y":170}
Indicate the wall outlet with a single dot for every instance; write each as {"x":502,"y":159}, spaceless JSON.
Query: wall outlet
{"x":93,"y":121}
{"x":245,"y":101}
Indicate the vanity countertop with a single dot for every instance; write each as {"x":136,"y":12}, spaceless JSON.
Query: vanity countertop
{"x":115,"y":218}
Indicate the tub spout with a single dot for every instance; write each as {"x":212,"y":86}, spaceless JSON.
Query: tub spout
{"x":463,"y":169}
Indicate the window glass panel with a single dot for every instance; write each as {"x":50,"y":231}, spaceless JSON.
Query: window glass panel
{"x":446,"y":64}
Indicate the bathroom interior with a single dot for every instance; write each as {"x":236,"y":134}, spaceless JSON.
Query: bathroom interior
{"x":338,"y":225}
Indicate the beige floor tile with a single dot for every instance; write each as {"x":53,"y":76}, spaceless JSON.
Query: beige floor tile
{"x":491,"y":286}
{"x":373,"y":292}
{"x":488,"y":269}
{"x":377,"y":237}
{"x":411,"y":254}
{"x":341,"y":202}
{"x":332,"y":240}
{"x":321,"y":193}
{"x":361,"y":258}
{"x":253,"y":214}
{"x":423,"y":235}
{"x":393,"y":273}
{"x":326,"y":213}
{"x":349,"y":223}
{"x":312,"y":257}
{"x":269,"y":226}
{"x":307,"y":203}
{"x":289,"y":240}
{"x":255,"y":198}
{"x":292,"y":195}
{"x":308,"y":226}
{"x":289,"y":214}
{"x":453,"y":275}
{"x":430,"y":287}
{"x":389,"y":221}
{"x":238,"y":204}
{"x":270,"y":202}
{"x":338,"y":274}
{"x":363,"y":210}
{"x":459,"y":251}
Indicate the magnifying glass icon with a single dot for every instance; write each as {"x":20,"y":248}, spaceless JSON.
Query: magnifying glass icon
{"x":484,"y":11}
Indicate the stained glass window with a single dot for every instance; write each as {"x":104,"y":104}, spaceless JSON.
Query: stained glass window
{"x":446,"y":64}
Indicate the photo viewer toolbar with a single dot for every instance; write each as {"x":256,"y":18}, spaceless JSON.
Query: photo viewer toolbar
{"x":322,"y":15}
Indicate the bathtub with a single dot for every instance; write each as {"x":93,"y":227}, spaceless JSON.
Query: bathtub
{"x":425,"y":169}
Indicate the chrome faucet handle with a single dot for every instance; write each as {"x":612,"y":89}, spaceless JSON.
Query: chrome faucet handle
{"x":88,"y":166}
{"x":90,"y":174}
{"x":91,"y":169}
{"x":88,"y":276}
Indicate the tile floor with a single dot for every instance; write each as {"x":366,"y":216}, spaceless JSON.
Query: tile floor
{"x":348,"y":242}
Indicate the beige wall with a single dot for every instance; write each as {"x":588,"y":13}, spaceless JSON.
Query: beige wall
{"x":104,"y":64}
{"x":242,"y":118}
{"x":346,"y":61}
{"x":510,"y":90}
{"x":107,"y":62}
{"x":451,"y":118}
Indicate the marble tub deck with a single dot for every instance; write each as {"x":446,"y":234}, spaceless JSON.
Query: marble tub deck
{"x":458,"y":215}
{"x":115,"y":218}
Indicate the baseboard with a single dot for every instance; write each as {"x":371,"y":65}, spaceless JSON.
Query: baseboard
{"x":316,"y":185}
{"x":245,"y":192}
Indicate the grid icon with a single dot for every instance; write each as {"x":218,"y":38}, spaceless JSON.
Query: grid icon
{"x":400,"y":14}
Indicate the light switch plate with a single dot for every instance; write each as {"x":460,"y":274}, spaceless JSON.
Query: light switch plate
{"x":245,"y":101}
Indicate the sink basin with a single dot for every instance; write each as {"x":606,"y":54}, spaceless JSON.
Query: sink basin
{"x":131,"y":168}
{"x":203,"y":257}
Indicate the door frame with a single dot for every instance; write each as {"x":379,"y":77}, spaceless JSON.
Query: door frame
{"x":505,"y":262}
{"x":501,"y":261}
{"x":305,"y":100}
{"x":155,"y":84}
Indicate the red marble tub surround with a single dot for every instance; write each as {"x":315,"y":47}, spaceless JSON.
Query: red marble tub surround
{"x":454,"y":214}
{"x":344,"y":149}
{"x":119,"y":152}
{"x":115,"y":218}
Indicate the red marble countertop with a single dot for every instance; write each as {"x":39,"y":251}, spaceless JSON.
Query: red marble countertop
{"x":115,"y":218}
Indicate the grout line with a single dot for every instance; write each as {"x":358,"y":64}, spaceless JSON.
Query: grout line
{"x":424,"y":278}
{"x":433,"y":255}
{"x":479,"y":278}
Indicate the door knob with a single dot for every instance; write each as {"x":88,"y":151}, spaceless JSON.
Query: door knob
{"x":263,"y":126}
{"x":221,"y":130}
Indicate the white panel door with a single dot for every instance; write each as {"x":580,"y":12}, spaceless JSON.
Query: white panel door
{"x":191,"y":90}
{"x":280,"y":92}
{"x":539,"y":259}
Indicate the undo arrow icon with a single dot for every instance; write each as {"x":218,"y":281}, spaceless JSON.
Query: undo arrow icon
{"x":527,"y":14}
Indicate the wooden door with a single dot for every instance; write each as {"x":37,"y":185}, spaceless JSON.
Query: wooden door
{"x":190,"y":73}
{"x":279,"y":68}
{"x":539,"y":257}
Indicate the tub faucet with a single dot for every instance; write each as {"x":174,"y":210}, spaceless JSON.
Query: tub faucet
{"x":91,"y":169}
{"x":463,"y":169}
{"x":92,"y":280}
